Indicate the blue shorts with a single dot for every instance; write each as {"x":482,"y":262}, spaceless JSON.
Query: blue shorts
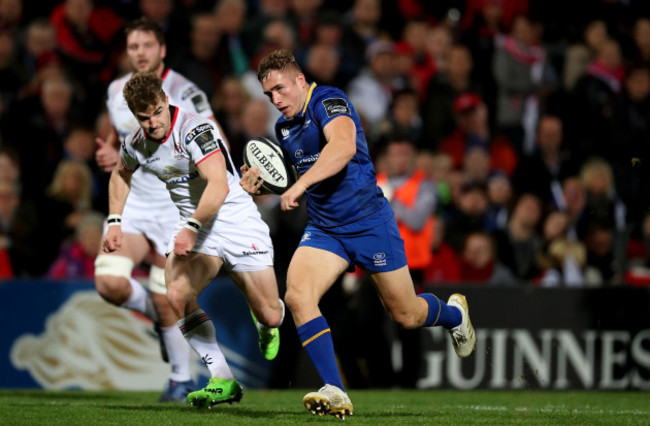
{"x":376,"y":249}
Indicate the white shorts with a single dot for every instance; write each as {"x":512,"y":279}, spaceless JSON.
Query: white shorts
{"x":156,"y":223}
{"x":245,"y":246}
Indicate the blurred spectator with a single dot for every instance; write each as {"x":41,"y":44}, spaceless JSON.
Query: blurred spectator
{"x":231,"y":15}
{"x":423,"y":66}
{"x":444,"y":267}
{"x":579,"y":55}
{"x":573,"y":202}
{"x":87,"y":36}
{"x":519,"y":243}
{"x":602,"y":202}
{"x":269,"y":11}
{"x":637,"y":267}
{"x":20,"y":253}
{"x":68,"y":198}
{"x":499,"y":191}
{"x":444,"y":87}
{"x":556,"y":226}
{"x":479,"y":263}
{"x":599,"y":241}
{"x":11,"y":16}
{"x":476,"y":163}
{"x":566,"y":265}
{"x":371,"y":91}
{"x":631,"y":136}
{"x":11,"y":76}
{"x":228,"y":107}
{"x":80,"y":145}
{"x":254,"y":118}
{"x":321,"y":65}
{"x":9,"y":165}
{"x":469,"y":214}
{"x":39,"y":47}
{"x":437,"y":41}
{"x":549,"y":165}
{"x":362,"y":26}
{"x":413,"y":199}
{"x":303,"y":17}
{"x":438,"y":168}
{"x":472,"y":129}
{"x":45,"y":121}
{"x":404,"y":117}
{"x":519,"y":68}
{"x":76,"y":259}
{"x":173,"y":21}
{"x":202,"y":63}
{"x":596,"y":95}
{"x":641,"y":34}
{"x":329,"y":32}
{"x":505,"y":10}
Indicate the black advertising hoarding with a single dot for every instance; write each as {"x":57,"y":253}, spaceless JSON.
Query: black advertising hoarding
{"x":533,"y":338}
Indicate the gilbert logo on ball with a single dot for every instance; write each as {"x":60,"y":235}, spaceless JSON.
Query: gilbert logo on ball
{"x":278,"y":175}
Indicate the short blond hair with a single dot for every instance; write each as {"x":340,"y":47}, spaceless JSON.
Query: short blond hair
{"x":143,"y":91}
{"x":278,"y":60}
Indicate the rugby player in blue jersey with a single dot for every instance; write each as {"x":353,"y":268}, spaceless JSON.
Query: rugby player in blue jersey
{"x":350,"y":223}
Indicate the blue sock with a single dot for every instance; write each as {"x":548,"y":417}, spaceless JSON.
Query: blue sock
{"x":316,"y":338}
{"x":440,"y":313}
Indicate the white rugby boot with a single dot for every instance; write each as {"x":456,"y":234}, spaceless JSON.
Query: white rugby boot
{"x":329,"y":400}
{"x":462,"y":336}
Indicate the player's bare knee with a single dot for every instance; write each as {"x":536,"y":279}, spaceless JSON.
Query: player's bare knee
{"x":178,"y":298}
{"x":295,"y":300}
{"x":115,"y":290}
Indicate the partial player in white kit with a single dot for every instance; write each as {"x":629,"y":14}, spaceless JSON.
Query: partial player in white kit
{"x":219,"y":223}
{"x":149,"y":216}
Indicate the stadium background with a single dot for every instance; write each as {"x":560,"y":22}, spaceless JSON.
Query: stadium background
{"x":56,"y":59}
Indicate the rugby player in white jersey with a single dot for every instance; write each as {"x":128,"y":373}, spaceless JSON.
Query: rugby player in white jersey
{"x":219,"y":223}
{"x":149,"y":215}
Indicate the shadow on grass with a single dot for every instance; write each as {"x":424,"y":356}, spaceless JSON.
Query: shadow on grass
{"x":67,"y":395}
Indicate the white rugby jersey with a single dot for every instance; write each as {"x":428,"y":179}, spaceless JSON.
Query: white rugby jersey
{"x":146,"y":190}
{"x":191,"y":140}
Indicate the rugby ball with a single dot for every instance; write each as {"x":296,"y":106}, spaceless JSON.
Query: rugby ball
{"x":276,"y":170}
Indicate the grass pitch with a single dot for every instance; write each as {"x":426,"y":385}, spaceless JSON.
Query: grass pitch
{"x":31,"y":407}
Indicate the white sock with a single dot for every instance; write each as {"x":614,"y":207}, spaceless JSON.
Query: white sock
{"x":178,"y":352}
{"x":140,"y":301}
{"x":198,"y":330}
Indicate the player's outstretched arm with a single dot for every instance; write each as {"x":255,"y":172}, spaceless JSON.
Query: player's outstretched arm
{"x":341,"y":136}
{"x":118,"y":191}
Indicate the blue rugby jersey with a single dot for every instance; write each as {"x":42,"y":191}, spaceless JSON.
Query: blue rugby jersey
{"x":351,"y":194}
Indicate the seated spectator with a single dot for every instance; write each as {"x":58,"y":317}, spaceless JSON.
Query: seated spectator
{"x":556,"y":226}
{"x":442,"y":90}
{"x":566,"y":266}
{"x":68,"y":198}
{"x":599,"y":241}
{"x":40,"y":42}
{"x":444,"y":267}
{"x":404,"y":118}
{"x":472,"y":127}
{"x":228,"y":105}
{"x":469,"y":213}
{"x":519,"y":243}
{"x":641,"y":35}
{"x":637,"y":266}
{"x":499,"y":192}
{"x":476,"y":162}
{"x":579,"y":55}
{"x":172,"y":19}
{"x":573,"y":202}
{"x":423,"y":66}
{"x":76,"y":259}
{"x":321,"y":65}
{"x":437,"y":43}
{"x":254,"y":118}
{"x":80,"y":145}
{"x":371,"y":92}
{"x":479,"y":263}
{"x":549,"y":164}
{"x":595,"y":95}
{"x":19,"y":248}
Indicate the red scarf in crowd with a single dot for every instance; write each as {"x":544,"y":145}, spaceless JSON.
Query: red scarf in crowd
{"x":529,"y":55}
{"x":612,"y":77}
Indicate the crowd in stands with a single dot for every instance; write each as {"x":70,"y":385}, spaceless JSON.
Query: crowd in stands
{"x":521,"y":128}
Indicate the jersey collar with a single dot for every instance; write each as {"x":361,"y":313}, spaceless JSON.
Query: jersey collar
{"x":309,"y":93}
{"x":173,"y":111}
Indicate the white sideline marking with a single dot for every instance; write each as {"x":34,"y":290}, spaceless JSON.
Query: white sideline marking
{"x":550,"y":409}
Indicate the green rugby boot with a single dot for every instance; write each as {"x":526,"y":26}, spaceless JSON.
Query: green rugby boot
{"x":218,"y":391}
{"x":269,"y":340}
